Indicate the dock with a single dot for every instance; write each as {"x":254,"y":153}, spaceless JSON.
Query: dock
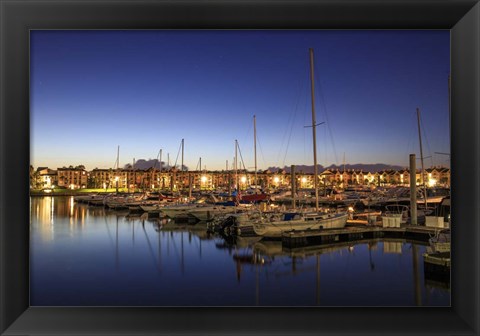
{"x":436,"y":267}
{"x":294,"y":239}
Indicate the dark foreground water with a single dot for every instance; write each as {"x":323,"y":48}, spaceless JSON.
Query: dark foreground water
{"x":83,"y":255}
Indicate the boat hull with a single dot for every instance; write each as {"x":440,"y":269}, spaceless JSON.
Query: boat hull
{"x":276,"y":229}
{"x":209,"y":214}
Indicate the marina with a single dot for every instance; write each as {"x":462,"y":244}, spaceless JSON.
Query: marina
{"x":159,"y":259}
{"x":170,"y":232}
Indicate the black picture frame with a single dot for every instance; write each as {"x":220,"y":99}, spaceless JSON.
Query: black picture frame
{"x":17,"y":17}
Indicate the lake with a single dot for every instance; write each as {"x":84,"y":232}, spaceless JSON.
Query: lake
{"x":91,"y":256}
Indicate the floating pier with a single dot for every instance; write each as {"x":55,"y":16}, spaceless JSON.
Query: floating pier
{"x":437,"y":266}
{"x":328,"y":236}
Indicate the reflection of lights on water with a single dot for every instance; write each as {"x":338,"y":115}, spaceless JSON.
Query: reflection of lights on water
{"x":52,"y":211}
{"x":71,"y":206}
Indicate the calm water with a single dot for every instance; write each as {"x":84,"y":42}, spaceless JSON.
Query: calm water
{"x":83,"y":255}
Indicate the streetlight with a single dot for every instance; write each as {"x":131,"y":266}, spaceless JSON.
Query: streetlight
{"x":204,"y":180}
{"x":243,"y":179}
{"x":304,"y":180}
{"x":276,"y":179}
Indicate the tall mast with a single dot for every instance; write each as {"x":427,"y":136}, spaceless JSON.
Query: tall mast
{"x":134,"y":177}
{"x":155,"y":167}
{"x":421,"y":158}
{"x":255,"y":147}
{"x":449,"y":104}
{"x":236,"y":172}
{"x":182,"y":154}
{"x":315,"y":169}
{"x":118,"y":157}
{"x":118,"y":169}
{"x":160,"y":160}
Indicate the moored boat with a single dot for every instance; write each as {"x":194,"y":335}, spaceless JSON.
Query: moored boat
{"x":315,"y":220}
{"x":300,"y":222}
{"x":208,"y":213}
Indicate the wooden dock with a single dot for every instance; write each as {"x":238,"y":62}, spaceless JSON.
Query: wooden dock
{"x":436,"y":267}
{"x":354,"y":233}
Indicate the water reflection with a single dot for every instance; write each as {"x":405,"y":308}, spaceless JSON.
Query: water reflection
{"x":112,"y":258}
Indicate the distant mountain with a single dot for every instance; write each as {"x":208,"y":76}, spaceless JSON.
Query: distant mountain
{"x":146,"y":164}
{"x":373,"y":168}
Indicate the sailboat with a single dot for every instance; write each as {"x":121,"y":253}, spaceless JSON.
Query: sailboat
{"x":253,"y":195}
{"x":277,"y":225}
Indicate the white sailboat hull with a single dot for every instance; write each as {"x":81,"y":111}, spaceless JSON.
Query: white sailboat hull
{"x":276,"y":229}
{"x":210,"y":213}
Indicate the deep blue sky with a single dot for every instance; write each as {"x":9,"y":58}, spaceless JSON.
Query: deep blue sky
{"x":146,"y":90}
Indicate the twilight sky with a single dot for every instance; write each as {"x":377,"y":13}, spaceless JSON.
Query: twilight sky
{"x":146,"y":90}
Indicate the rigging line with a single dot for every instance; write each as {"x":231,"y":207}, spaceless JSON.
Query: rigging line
{"x":305,"y":130}
{"x":280,"y":148}
{"x":291,"y":130}
{"x":174,"y":244}
{"x":422,"y":125}
{"x":261,"y":152}
{"x":241,"y":158}
{"x":291,"y":117}
{"x":157,"y":160}
{"x":196,"y":167}
{"x":151,"y":251}
{"x":410,"y":145}
{"x":319,"y":88}
{"x":115,"y":165}
{"x":283,"y":138}
{"x":178,"y":153}
{"x":247,"y":135}
{"x":108,"y":231}
{"x":325,"y":146}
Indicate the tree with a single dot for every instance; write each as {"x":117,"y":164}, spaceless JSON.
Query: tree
{"x":35,"y":182}
{"x":91,"y":182}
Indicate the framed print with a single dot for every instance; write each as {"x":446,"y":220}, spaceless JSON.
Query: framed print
{"x":118,"y":272}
